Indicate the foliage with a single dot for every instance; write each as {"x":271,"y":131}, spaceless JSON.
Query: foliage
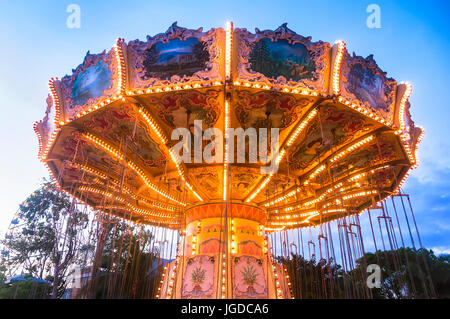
{"x":126,"y":264}
{"x":249,"y":274}
{"x":406,"y":278}
{"x":25,"y":289}
{"x":46,"y":238}
{"x":309,"y":276}
{"x":198,"y":275}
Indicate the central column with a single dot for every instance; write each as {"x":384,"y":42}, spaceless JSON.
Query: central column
{"x":224,"y":255}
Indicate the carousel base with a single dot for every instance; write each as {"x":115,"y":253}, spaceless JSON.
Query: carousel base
{"x":224,"y":255}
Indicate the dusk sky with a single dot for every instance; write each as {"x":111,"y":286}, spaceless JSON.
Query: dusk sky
{"x":413,"y":44}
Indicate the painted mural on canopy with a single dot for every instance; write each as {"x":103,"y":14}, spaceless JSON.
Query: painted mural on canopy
{"x":176,"y":57}
{"x":281,"y":58}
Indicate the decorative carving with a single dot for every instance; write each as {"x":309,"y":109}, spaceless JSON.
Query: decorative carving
{"x":45,"y":127}
{"x":252,"y":109}
{"x":180,"y":109}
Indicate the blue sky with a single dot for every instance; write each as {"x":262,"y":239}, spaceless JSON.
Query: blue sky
{"x":412,"y":44}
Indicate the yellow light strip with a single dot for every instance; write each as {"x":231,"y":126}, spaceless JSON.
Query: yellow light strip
{"x":163,"y":140}
{"x":153,"y":203}
{"x":408,"y":149}
{"x":172,"y":279}
{"x":269,"y":229}
{"x":226,"y":146}
{"x":283,"y":197}
{"x":50,"y":143}
{"x":233,"y":238}
{"x":301,"y":127}
{"x":360,"y":194}
{"x":148,"y":214}
{"x":228,"y":49}
{"x":278,"y":88}
{"x":228,"y":52}
{"x":354,"y":177}
{"x":131,"y":165}
{"x":292,"y":138}
{"x":224,"y":275}
{"x":295,"y":215}
{"x":121,"y":72}
{"x":316,"y":200}
{"x":352,"y":148}
{"x":316,"y":172}
{"x":308,"y":215}
{"x":174,"y":87}
{"x":403,"y":101}
{"x":416,"y":151}
{"x":263,"y":184}
{"x":402,"y":130}
{"x":52,"y":176}
{"x":39,"y":136}
{"x":55,"y":99}
{"x":155,"y":127}
{"x":139,"y":211}
{"x":100,"y":192}
{"x":56,"y":104}
{"x":405,"y":177}
{"x":176,"y":160}
{"x":337,"y":66}
{"x":151,"y":185}
{"x":365,"y":111}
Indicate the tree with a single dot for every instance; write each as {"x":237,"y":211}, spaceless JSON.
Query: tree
{"x":409,"y":276}
{"x":404,"y":274}
{"x":126,"y":263}
{"x":315,"y":279}
{"x":25,"y":289}
{"x":49,"y":236}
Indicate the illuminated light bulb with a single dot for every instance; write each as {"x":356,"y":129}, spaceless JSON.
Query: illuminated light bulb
{"x":228,"y":48}
{"x":337,"y":66}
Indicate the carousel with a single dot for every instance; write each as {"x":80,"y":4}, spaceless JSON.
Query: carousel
{"x":345,"y":143}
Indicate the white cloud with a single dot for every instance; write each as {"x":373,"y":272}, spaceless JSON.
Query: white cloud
{"x":441,"y":250}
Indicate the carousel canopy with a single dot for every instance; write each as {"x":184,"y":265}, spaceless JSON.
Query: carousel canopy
{"x":346,"y":138}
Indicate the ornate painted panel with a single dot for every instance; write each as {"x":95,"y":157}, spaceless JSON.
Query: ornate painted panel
{"x":199,"y":278}
{"x":265,"y":109}
{"x":179,"y":55}
{"x":242,"y":180}
{"x":209,"y":179}
{"x":181,"y":109}
{"x":362,"y":80}
{"x":93,"y":81}
{"x":282,"y":57}
{"x":249,"y":278}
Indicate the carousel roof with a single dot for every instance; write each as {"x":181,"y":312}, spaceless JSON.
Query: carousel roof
{"x":346,"y":136}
